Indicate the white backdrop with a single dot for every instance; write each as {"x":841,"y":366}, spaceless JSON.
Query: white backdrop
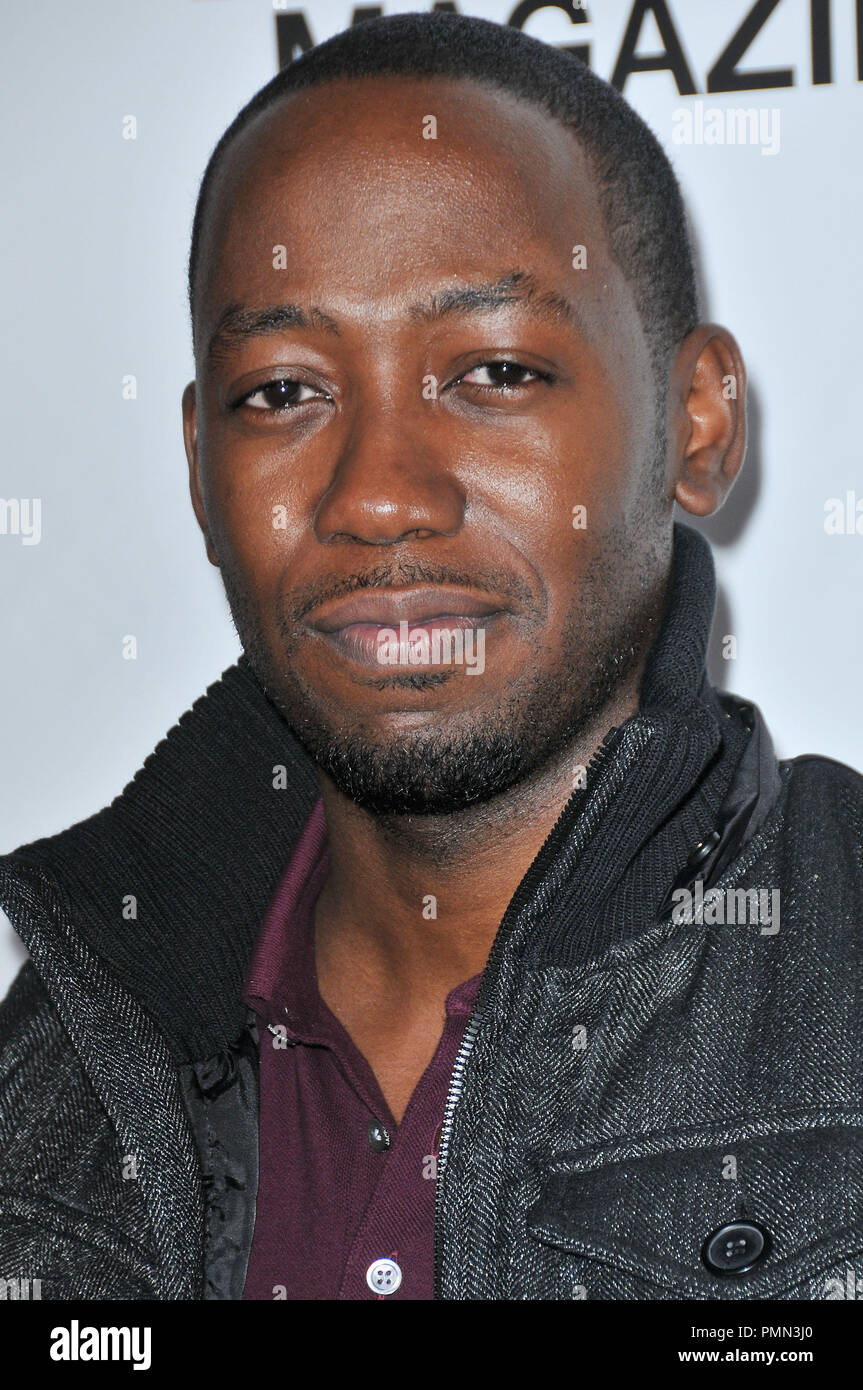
{"x":95,"y":243}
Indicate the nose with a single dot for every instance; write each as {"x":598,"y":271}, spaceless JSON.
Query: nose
{"x":393,"y":479}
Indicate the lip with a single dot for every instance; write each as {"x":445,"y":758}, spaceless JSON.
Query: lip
{"x":389,"y":607}
{"x":354,"y":626}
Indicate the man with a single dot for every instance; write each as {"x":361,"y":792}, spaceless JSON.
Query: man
{"x":461,"y":941}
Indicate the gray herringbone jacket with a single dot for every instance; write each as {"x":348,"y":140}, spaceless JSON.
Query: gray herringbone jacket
{"x":630,"y":1083}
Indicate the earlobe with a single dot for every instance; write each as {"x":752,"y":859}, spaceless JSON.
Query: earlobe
{"x":710,"y":377}
{"x":190,"y":440}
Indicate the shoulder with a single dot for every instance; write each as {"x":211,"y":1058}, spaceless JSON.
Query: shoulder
{"x":40,"y":1071}
{"x":68,"y":1216}
{"x":817,"y":846}
{"x":821,"y":787}
{"x":44,"y":1087}
{"x":27,"y":1013}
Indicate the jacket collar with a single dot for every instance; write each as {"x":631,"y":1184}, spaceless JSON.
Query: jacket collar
{"x":170,"y":882}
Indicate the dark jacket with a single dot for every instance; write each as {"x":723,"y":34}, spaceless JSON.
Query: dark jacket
{"x":630,"y":1083}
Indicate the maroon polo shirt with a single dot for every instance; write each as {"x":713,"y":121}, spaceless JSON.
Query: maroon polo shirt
{"x":345,"y":1206}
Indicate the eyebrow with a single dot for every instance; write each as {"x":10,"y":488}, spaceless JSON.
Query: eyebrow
{"x":238,"y":324}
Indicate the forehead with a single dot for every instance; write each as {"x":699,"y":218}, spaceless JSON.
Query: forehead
{"x":377,"y":187}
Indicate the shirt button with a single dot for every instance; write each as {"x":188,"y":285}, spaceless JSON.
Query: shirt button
{"x":378,"y":1136}
{"x":735,"y":1248}
{"x":383,"y":1276}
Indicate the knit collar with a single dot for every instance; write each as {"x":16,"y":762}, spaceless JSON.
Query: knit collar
{"x":170,"y":882}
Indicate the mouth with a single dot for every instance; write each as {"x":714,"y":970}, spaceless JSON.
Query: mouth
{"x":420,"y":627}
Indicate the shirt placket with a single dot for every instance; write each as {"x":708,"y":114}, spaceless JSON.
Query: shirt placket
{"x":376,"y":1267}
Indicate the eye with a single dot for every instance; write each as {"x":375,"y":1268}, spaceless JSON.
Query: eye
{"x":275,"y":397}
{"x":503,"y":374}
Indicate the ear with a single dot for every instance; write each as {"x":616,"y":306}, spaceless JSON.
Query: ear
{"x":190,"y":440}
{"x":708,"y":385}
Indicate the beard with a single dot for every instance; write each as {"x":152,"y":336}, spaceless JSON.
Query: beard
{"x":470,"y":755}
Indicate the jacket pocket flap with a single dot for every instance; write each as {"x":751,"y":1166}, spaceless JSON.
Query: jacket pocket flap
{"x":653,"y":1213}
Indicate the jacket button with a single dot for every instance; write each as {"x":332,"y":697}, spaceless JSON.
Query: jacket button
{"x":736,"y":1248}
{"x":703,"y":849}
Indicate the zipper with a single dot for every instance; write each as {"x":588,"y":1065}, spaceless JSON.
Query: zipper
{"x":522,"y":894}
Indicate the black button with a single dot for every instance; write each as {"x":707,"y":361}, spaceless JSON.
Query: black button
{"x":735,"y":1248}
{"x":703,"y":849}
{"x":378,"y":1136}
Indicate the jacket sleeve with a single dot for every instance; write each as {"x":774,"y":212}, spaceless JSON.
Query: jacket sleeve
{"x":72,"y":1224}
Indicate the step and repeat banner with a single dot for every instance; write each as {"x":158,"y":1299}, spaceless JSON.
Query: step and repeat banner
{"x":111,"y":109}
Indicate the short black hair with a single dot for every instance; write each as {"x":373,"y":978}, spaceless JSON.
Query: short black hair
{"x":638,"y":191}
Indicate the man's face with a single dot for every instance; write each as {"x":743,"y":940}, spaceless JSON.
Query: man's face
{"x":358,"y":464}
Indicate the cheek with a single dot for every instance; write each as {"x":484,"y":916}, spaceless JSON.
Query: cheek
{"x":570,"y":503}
{"x":256,"y":511}
{"x":567,"y":484}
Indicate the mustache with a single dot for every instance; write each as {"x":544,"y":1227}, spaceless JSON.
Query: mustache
{"x":498,"y":581}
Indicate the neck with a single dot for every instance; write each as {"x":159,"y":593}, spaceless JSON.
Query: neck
{"x":417,"y":900}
